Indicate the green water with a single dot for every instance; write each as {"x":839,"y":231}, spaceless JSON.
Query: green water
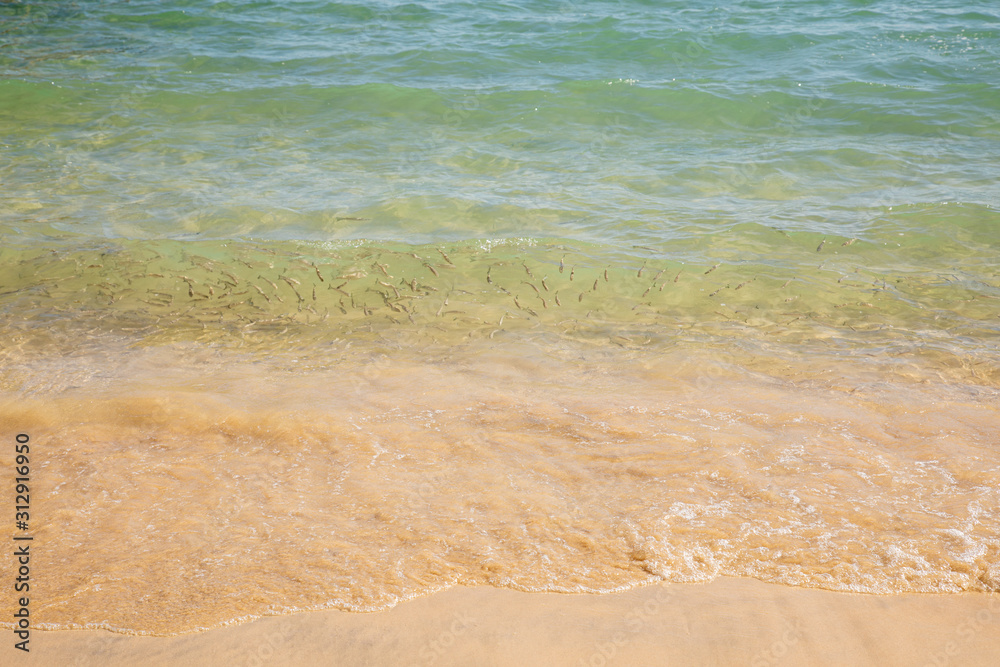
{"x":332,"y":304}
{"x":169,"y":170}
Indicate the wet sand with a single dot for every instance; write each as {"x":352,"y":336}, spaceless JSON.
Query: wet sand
{"x":727,"y":622}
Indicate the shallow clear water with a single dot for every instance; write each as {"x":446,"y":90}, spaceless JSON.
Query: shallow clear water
{"x":334,"y":304}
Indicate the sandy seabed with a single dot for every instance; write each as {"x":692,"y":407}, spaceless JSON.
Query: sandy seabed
{"x":727,"y":622}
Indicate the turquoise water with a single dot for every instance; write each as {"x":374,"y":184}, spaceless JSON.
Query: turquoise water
{"x":843,"y":146}
{"x":549,"y":295}
{"x":615,"y":123}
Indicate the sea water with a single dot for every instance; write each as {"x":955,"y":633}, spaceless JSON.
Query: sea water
{"x":328,"y":305}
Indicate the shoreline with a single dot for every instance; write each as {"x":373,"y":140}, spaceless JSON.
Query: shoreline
{"x":727,"y":621}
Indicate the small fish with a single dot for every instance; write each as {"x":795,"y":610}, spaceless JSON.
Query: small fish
{"x":786,"y":283}
{"x":848,"y":242}
{"x":594,"y":289}
{"x":639,"y":274}
{"x":544,"y":285}
{"x":820,"y":246}
{"x":525,"y":282}
{"x":561,"y":265}
{"x":572,"y":272}
{"x":527,"y":270}
{"x":488,"y":279}
{"x":557,"y":299}
{"x":431,"y":268}
{"x":261,"y":293}
{"x":605,"y":275}
{"x":714,"y":267}
{"x":676,"y":278}
{"x":291,"y":281}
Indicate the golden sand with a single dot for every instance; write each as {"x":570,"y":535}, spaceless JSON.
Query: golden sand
{"x":726,"y":622}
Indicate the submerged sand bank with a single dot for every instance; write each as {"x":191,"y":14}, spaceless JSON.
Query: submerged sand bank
{"x":727,"y":622}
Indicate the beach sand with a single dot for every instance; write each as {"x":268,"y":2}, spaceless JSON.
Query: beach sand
{"x":726,"y":622}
